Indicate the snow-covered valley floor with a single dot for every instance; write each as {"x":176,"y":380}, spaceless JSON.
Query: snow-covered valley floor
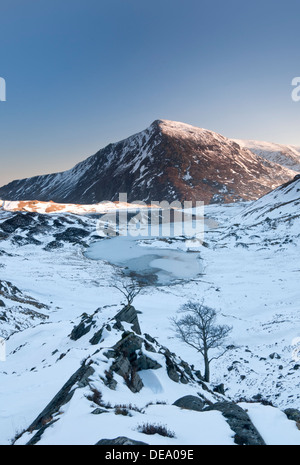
{"x":250,"y":276}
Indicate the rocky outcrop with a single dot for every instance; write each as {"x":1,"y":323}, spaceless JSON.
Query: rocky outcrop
{"x":239,"y":422}
{"x":27,"y":228}
{"x":84,"y":327}
{"x":47,"y":417}
{"x":17,"y":221}
{"x":73,"y":235}
{"x":129,"y":315}
{"x":65,"y":394}
{"x":122,"y":362}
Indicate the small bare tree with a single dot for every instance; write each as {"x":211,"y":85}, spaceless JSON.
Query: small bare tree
{"x":130,"y":287}
{"x":197,"y":328}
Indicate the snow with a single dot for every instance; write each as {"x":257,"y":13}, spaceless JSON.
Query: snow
{"x":80,"y":427}
{"x":285,"y":155}
{"x":274,"y":426}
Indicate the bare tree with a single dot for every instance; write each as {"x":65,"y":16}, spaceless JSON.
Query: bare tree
{"x":130,"y":287}
{"x":197,"y":328}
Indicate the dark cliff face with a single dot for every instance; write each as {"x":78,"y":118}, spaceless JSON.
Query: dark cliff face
{"x":168,"y":161}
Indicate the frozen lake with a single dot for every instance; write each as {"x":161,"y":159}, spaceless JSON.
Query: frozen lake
{"x":164,"y":265}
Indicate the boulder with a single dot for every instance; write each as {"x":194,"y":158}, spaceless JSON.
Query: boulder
{"x":99,"y":411}
{"x":293,"y":414}
{"x":190,"y":403}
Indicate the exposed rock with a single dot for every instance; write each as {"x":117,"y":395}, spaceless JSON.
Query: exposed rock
{"x":25,"y":240}
{"x":133,"y":381}
{"x":175,"y":372}
{"x":172,"y":372}
{"x":109,"y":380}
{"x":293,"y":414}
{"x":53,"y":245}
{"x":239,"y":422}
{"x":126,"y":361}
{"x":190,"y":403}
{"x":97,"y":337}
{"x":150,"y":338}
{"x":144,"y":362}
{"x":99,"y":411}
{"x":120,"y":441}
{"x":275,"y":355}
{"x":83,"y":327}
{"x":220,"y":389}
{"x":121,"y":366}
{"x":3,"y":236}
{"x":149,"y":347}
{"x":128,"y":345}
{"x":20,"y":220}
{"x":129,"y":315}
{"x":62,"y":397}
{"x":73,"y":235}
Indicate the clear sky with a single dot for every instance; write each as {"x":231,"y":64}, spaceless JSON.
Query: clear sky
{"x":83,"y":73}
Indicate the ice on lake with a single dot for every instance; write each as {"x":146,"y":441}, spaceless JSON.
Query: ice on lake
{"x":164,"y":264}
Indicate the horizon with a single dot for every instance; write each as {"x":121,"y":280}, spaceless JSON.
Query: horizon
{"x":80,"y":76}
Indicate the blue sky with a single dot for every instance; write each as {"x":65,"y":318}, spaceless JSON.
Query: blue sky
{"x":83,"y":73}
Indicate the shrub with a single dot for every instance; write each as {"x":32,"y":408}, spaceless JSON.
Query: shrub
{"x":158,"y":402}
{"x":162,"y":430}
{"x":129,"y":407}
{"x":95,"y":397}
{"x":122,"y":411}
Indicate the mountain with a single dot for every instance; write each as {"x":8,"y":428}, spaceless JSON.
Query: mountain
{"x":285,"y":155}
{"x":282,"y":205}
{"x":167,"y":161}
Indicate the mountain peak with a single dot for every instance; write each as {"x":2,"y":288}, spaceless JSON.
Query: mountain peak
{"x":169,"y":161}
{"x":171,"y":127}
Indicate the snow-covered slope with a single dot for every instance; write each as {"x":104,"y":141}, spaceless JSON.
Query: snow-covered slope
{"x":167,"y":161}
{"x":284,"y":155}
{"x":281,"y":206}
